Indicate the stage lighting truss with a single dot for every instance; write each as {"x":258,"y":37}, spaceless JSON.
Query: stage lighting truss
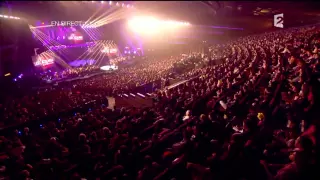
{"x":8,"y":17}
{"x":124,"y":5}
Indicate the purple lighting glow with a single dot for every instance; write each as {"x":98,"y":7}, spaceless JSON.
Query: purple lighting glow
{"x":82,"y":62}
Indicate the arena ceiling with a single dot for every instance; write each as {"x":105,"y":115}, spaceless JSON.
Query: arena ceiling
{"x":252,"y":16}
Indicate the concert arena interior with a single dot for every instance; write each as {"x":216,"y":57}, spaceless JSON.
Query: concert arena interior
{"x":172,"y":90}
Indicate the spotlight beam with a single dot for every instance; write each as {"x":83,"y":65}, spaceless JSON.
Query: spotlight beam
{"x":95,"y":54}
{"x":97,"y":18}
{"x":46,"y":41}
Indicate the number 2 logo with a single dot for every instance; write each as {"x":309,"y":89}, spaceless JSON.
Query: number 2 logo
{"x":278,"y":20}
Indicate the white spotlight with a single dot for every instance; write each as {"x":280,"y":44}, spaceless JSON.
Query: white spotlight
{"x":5,"y":16}
{"x":110,"y":2}
{"x":122,"y":4}
{"x":1,"y":15}
{"x":145,"y":25}
{"x":117,"y":4}
{"x":128,"y":6}
{"x":102,"y":2}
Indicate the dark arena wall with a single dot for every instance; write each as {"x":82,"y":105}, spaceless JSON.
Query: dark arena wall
{"x":16,"y":46}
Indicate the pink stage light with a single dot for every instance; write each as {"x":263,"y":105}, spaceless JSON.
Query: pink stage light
{"x":113,"y":50}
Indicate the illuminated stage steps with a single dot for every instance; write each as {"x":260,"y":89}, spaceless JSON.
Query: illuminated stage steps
{"x":127,"y":100}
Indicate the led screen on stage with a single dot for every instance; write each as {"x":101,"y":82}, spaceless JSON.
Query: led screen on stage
{"x":39,"y":61}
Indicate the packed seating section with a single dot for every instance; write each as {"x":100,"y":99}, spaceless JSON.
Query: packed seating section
{"x":252,"y":117}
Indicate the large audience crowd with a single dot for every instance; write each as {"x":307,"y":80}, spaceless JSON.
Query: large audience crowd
{"x":252,"y":117}
{"x":69,"y":73}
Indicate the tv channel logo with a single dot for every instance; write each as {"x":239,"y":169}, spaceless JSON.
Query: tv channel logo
{"x":278,"y":20}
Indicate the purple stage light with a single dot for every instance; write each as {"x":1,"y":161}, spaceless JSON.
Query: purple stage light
{"x":125,"y":52}
{"x":134,"y":52}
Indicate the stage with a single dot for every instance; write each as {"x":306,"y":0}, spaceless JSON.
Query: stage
{"x":103,"y":70}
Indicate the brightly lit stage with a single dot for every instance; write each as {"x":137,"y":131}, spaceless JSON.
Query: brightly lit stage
{"x":96,"y":53}
{"x":103,"y":70}
{"x":77,"y":46}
